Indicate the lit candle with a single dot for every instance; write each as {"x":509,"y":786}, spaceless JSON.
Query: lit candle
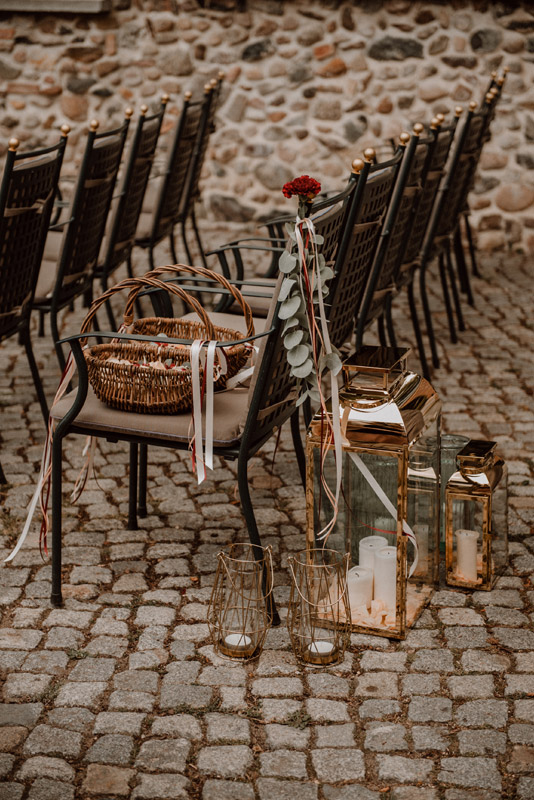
{"x":466,"y":554}
{"x":367,"y":549}
{"x":237,"y":641}
{"x":360,"y":586}
{"x":320,"y":648}
{"x":386,"y":576}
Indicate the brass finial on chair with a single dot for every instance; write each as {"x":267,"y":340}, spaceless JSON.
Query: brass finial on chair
{"x":164,"y":99}
{"x":489,"y":98}
{"x":94,"y":125}
{"x":369,"y":154}
{"x":506,"y":70}
{"x":404,"y":138}
{"x":144,"y":109}
{"x":357,"y":165}
{"x":213,"y":83}
{"x":501,"y":80}
{"x":458,"y":111}
{"x":434,"y":123}
{"x":440,"y":117}
{"x":129,"y":112}
{"x":207,"y":88}
{"x":188,"y":95}
{"x":13,"y":144}
{"x":418,"y":128}
{"x":473,"y":105}
{"x":65,"y":130}
{"x":221,"y":75}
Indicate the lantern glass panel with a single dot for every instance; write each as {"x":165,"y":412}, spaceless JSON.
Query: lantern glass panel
{"x":451,"y":444}
{"x":469,"y":525}
{"x":365,"y":528}
{"x":423,"y":505}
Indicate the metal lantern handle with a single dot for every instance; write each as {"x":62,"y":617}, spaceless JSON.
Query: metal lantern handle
{"x":323,"y":606}
{"x":268,"y":550}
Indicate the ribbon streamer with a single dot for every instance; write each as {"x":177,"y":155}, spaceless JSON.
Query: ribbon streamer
{"x":386,"y":502}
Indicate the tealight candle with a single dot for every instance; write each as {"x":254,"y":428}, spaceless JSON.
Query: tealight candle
{"x":360,"y":586}
{"x":237,"y":644}
{"x":466,"y":554}
{"x":386,"y":576}
{"x":367,"y":549}
{"x":320,"y":648}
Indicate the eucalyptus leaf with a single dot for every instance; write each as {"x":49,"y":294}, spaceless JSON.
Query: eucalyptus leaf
{"x":290,"y":229}
{"x":327,"y":273}
{"x":333,"y":362}
{"x":287,"y":262}
{"x":302,"y":398}
{"x":290,"y":323}
{"x":303,"y":370}
{"x":321,"y":260}
{"x":293,"y":339}
{"x":298,"y":355}
{"x":290,"y":307}
{"x":319,"y":239}
{"x":287,"y":285}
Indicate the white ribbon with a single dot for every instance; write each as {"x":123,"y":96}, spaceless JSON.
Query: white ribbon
{"x":386,"y":502}
{"x":204,"y":358}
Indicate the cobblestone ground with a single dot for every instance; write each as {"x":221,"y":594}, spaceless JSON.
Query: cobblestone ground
{"x":120,"y":695}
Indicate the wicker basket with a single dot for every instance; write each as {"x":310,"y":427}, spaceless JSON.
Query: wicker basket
{"x":144,"y":386}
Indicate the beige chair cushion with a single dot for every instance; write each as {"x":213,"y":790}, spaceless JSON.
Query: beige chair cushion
{"x":230,"y":409}
{"x":49,"y":264}
{"x":259,"y":305}
{"x":227,"y":320}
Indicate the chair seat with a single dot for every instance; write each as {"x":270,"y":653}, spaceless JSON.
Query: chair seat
{"x":230,"y":410}
{"x":48,"y":268}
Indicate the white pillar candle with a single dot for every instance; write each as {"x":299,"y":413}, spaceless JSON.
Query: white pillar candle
{"x":360,"y":586}
{"x":466,"y":554}
{"x":367,"y":549}
{"x":386,"y":576}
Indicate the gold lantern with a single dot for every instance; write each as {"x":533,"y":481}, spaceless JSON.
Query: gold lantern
{"x":476,"y":522}
{"x":387,"y":518}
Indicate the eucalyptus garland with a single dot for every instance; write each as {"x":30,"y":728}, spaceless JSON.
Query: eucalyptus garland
{"x":304,"y":287}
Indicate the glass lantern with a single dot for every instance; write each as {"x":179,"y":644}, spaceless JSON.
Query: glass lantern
{"x":388,"y":512}
{"x":476,"y":520}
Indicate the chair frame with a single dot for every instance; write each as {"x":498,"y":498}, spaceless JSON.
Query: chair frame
{"x":27,"y":177}
{"x":130,"y":197}
{"x":76,"y":259}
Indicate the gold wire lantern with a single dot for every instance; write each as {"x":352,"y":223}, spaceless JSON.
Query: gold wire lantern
{"x":476,"y":519}
{"x":237,"y":615}
{"x":388,"y":514}
{"x":317,"y":617}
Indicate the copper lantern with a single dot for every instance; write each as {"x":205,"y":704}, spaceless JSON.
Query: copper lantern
{"x":476,"y":523}
{"x":387,"y":518}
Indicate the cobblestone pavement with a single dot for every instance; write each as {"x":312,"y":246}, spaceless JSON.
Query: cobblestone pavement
{"x":120,"y":695}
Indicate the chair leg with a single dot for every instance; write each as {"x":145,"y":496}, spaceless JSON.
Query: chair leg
{"x":454,"y":289}
{"x":428,"y":316}
{"x":254,"y":536}
{"x":56,"y":597}
{"x":184,"y":240}
{"x":299,"y":449}
{"x":382,"y":332}
{"x":197,"y":236}
{"x":472,"y":248}
{"x":417,"y":332}
{"x":461,"y":264}
{"x":389,"y":322}
{"x":447,"y":299}
{"x":3,"y":479}
{"x":143,"y":465}
{"x":41,"y":331}
{"x":35,"y":375}
{"x":55,"y":337}
{"x":132,"y":493}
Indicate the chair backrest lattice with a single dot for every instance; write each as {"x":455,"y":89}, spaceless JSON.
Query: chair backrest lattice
{"x":27,"y":194}
{"x":206,"y":129}
{"x":89,"y":211}
{"x":408,"y":188}
{"x":438,"y":153}
{"x":192,"y":122}
{"x":371,"y":197}
{"x":133,"y":186}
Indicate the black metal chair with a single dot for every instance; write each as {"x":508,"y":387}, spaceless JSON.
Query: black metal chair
{"x":165,"y":204}
{"x":444,"y":221}
{"x":126,"y":208}
{"x":27,"y":193}
{"x":69,"y":261}
{"x":439,"y":141}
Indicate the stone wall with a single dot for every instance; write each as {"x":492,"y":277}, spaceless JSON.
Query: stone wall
{"x":309,"y":85}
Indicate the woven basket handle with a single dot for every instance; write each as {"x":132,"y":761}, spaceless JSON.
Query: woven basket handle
{"x":138,"y":284}
{"x":215,"y":276}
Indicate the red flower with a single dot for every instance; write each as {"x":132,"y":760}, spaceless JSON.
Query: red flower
{"x":303,"y":187}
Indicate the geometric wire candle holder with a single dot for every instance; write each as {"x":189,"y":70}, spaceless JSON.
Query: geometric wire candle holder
{"x":318,"y":612}
{"x":237,"y":612}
